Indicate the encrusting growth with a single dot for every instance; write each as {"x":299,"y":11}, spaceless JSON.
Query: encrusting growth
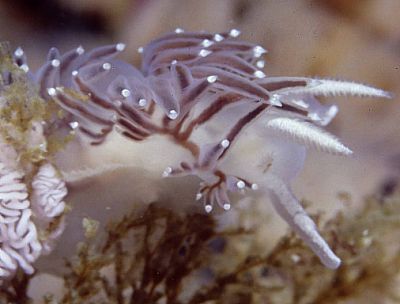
{"x":203,"y":92}
{"x":31,"y":192}
{"x":21,"y":242}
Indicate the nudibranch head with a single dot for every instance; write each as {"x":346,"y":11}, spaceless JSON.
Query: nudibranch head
{"x":207,"y":94}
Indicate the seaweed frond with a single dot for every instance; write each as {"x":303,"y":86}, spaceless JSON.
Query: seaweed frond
{"x":23,"y":112}
{"x":165,"y":257}
{"x":146,"y":258}
{"x":15,"y":290}
{"x":162,"y":256}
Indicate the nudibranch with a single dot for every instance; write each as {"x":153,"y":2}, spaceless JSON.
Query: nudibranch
{"x":228,"y":123}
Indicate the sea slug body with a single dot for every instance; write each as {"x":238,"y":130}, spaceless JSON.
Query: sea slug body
{"x":206,"y":95}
